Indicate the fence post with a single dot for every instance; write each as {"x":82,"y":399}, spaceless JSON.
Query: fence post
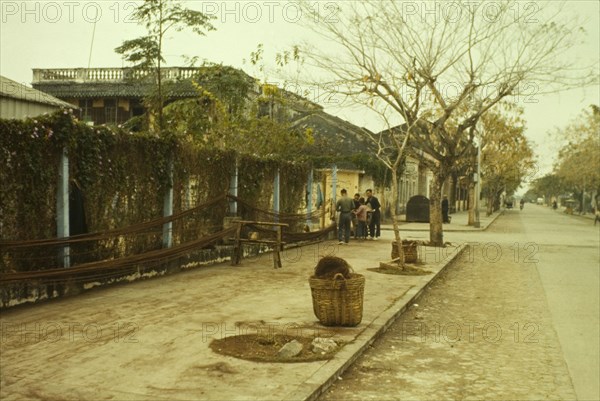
{"x":324,"y":203}
{"x":168,"y":209}
{"x":276,"y":195}
{"x":62,"y":206}
{"x":334,"y":183}
{"x":309,"y":189}
{"x":233,"y":190}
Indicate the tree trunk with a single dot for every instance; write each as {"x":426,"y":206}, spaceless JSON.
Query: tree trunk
{"x":394,"y":211}
{"x":497,"y":201}
{"x":452,"y":196}
{"x":490,"y":204}
{"x":394,"y":189}
{"x":471,"y":203}
{"x":159,"y":73}
{"x":436,"y":231}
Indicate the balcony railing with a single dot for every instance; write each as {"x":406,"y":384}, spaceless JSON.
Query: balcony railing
{"x":93,"y":75}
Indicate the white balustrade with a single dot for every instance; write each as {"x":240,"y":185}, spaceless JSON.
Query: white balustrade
{"x":106,"y":74}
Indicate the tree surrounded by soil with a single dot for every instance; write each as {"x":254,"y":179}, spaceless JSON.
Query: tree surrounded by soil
{"x":265,"y":348}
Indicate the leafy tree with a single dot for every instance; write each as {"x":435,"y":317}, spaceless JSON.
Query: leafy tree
{"x":146,"y":52}
{"x":507,"y":158}
{"x":548,"y":187}
{"x":212,"y":117}
{"x":426,"y":69}
{"x":224,"y":116}
{"x":579,"y":159}
{"x":203,"y":119}
{"x":231,"y":85}
{"x":267,"y":137}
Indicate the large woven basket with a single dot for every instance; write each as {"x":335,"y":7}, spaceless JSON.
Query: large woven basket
{"x":338,"y":301}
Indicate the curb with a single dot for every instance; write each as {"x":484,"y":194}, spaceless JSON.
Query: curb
{"x":319,"y":382}
{"x":587,"y":216}
{"x":500,"y":213}
{"x":452,"y":230}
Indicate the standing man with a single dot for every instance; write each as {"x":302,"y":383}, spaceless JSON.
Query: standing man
{"x":445,"y":209}
{"x":375,"y":225}
{"x":344,"y":205}
{"x":354,"y":218}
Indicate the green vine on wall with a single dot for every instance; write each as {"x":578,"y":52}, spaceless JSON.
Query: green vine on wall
{"x":122,"y":175}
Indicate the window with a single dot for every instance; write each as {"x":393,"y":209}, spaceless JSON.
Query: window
{"x":110,"y":111}
{"x":86,"y":109}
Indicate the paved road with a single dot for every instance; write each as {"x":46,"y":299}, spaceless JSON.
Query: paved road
{"x":515,"y":318}
{"x":568,"y":267}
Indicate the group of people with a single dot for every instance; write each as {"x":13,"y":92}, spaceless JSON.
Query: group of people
{"x":363,"y":214}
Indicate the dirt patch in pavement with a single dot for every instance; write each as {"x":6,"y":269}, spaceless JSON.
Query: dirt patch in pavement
{"x":265,"y":348}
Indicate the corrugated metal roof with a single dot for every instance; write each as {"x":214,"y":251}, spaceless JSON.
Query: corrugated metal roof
{"x":13,"y":89}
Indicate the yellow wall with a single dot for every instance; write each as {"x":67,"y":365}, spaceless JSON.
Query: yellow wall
{"x":345,"y":179}
{"x":348,"y":179}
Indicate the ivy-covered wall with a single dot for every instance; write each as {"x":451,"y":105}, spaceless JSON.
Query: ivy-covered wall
{"x":123,"y":177}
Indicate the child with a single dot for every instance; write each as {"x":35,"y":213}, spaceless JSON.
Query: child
{"x":361,"y":216}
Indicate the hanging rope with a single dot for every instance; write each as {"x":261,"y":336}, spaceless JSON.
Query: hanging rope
{"x":114,"y":243}
{"x":97,"y":236}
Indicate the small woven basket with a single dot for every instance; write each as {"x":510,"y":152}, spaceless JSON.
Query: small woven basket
{"x":410,"y":251}
{"x":338,"y":301}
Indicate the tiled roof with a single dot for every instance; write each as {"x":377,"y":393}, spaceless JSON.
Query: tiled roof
{"x":16,"y":90}
{"x":335,"y":136}
{"x":182,"y":89}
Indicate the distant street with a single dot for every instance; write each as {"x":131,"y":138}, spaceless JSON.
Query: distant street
{"x":568,"y":267}
{"x":514,"y":318}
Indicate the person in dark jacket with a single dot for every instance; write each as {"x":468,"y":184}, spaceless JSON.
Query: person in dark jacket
{"x":445,"y":209}
{"x":375,"y":224}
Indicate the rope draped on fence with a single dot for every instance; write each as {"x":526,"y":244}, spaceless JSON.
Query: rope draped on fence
{"x":269,"y":215}
{"x":292,"y":219}
{"x":97,"y":236}
{"x":129,"y":264}
{"x":111,"y":254}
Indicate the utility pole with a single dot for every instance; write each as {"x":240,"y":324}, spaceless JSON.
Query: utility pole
{"x":477,"y":223}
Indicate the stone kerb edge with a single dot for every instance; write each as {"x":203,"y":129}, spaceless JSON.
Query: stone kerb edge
{"x":319,"y":382}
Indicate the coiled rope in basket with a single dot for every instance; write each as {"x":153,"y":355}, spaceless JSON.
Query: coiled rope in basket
{"x":338,"y":301}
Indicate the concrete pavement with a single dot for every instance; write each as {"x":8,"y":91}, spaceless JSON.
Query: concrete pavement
{"x":150,"y":339}
{"x":482,"y":331}
{"x":459,"y":223}
{"x":516,"y":317}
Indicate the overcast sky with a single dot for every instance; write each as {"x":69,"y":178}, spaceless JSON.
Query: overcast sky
{"x":58,"y":34}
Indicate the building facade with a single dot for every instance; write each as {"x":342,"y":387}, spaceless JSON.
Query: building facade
{"x":115,"y":95}
{"x":20,"y":101}
{"x":109,"y":95}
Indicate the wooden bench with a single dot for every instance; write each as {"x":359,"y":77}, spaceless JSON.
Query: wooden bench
{"x":236,"y":258}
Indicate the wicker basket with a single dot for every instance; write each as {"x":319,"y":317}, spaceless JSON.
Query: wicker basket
{"x":338,"y":301}
{"x":410,"y":251}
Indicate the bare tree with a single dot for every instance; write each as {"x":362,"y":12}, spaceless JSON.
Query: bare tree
{"x":391,"y":147}
{"x":439,"y":66}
